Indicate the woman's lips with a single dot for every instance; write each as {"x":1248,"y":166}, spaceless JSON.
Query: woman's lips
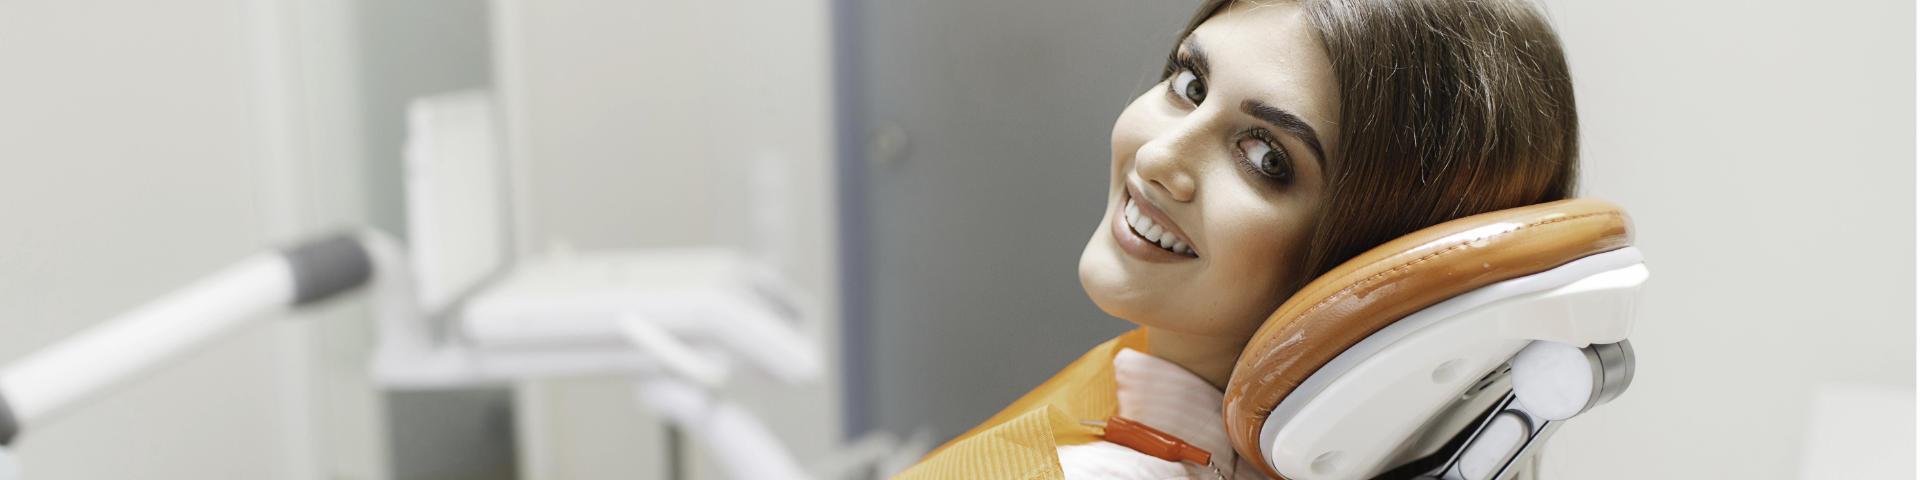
{"x":1153,"y":217}
{"x":1138,"y":246}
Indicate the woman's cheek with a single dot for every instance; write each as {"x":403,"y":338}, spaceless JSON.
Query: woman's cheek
{"x":1259,"y":258}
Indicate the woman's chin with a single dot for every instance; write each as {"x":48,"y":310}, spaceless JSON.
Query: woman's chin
{"x":1107,"y":281}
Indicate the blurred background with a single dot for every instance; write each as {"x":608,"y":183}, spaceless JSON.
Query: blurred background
{"x":925,"y":173}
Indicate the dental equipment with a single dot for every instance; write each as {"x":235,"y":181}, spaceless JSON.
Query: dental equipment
{"x":463,"y":311}
{"x":638,"y":332}
{"x":452,"y":311}
{"x":673,"y":320}
{"x":49,"y":383}
{"x":1473,"y":340}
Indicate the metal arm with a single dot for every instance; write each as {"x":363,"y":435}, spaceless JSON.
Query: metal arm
{"x":1552,"y":382}
{"x":54,"y":380}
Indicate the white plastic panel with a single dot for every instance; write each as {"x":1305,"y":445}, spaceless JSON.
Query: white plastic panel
{"x":456,"y":195}
{"x":580,"y":298}
{"x":1389,"y":384}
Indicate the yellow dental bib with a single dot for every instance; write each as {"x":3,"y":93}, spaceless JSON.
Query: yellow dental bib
{"x":1020,"y":441}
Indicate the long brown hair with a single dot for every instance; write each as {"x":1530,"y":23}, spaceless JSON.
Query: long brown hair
{"x":1448,"y":108}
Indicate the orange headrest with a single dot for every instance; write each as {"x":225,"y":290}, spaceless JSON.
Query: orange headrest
{"x":1391,"y":281}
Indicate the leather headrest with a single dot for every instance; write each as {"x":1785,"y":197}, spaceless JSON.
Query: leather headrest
{"x":1391,"y":281}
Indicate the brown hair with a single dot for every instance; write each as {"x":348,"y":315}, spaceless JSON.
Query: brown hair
{"x":1448,"y":108}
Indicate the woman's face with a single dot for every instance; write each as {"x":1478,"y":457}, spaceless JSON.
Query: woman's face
{"x":1217,"y":177}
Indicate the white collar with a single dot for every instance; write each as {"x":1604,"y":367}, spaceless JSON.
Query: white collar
{"x":1159,"y":394}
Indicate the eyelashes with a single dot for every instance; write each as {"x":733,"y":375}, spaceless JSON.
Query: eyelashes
{"x":1184,"y":81}
{"x":1177,"y":61}
{"x":1261,"y":154}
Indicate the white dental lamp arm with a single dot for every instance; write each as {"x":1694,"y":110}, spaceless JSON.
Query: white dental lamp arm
{"x":43,"y":386}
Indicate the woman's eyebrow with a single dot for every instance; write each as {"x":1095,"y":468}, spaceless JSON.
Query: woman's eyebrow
{"x":1289,"y":122}
{"x":1196,"y":56}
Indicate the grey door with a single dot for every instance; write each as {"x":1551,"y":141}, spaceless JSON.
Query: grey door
{"x":976,"y":150}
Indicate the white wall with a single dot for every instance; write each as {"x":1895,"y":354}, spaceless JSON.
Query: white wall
{"x":1766,"y":152}
{"x":644,"y":124}
{"x":1764,"y":148}
{"x":144,"y":145}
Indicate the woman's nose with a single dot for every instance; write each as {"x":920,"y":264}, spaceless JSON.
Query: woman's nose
{"x":1167,"y":162}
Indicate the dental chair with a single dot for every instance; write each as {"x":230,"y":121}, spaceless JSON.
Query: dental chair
{"x":1473,"y":340}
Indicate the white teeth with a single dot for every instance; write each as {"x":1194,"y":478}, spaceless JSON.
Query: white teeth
{"x":1144,"y":226}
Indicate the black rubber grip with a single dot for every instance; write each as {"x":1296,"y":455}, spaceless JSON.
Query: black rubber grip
{"x":327,"y":266}
{"x":8,"y":426}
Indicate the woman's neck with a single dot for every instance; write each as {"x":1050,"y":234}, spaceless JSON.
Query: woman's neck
{"x":1211,"y":358}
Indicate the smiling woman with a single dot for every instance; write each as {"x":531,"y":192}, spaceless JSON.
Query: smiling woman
{"x":1435,"y":110}
{"x":1283,"y":139}
{"x":1225,"y":152}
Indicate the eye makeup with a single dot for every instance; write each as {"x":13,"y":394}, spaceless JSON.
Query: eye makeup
{"x":1273,"y":165}
{"x":1188,"y":56}
{"x":1188,"y":83}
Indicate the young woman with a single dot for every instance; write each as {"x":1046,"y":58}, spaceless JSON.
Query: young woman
{"x":1284,"y":139}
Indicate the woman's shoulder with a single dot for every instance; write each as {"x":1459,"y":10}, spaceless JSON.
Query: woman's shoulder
{"x":1022,"y":438}
{"x":1084,"y":389}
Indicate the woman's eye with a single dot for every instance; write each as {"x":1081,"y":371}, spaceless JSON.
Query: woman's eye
{"x":1189,"y":86}
{"x":1266,"y":159}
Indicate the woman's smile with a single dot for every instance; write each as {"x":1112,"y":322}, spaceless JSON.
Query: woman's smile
{"x":1215,"y":180}
{"x":1145,"y":232}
